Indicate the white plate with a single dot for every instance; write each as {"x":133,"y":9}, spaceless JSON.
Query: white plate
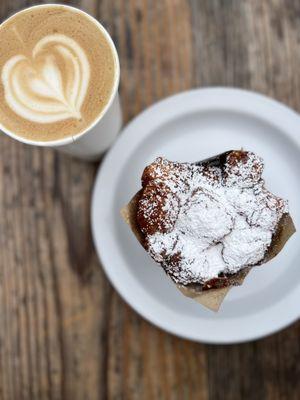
{"x":189,"y":127}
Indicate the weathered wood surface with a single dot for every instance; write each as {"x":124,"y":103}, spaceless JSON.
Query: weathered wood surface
{"x":64,"y":332}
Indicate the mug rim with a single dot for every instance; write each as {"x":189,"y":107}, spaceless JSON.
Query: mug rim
{"x":114,"y":91}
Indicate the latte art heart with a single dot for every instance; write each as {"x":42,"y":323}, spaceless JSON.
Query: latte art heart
{"x":51,"y":85}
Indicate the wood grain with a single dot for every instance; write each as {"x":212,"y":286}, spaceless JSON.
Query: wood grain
{"x":64,"y":332}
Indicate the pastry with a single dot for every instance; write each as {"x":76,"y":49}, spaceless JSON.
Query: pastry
{"x":208,"y":223}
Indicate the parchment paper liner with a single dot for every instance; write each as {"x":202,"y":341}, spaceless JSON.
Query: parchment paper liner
{"x":213,"y":298}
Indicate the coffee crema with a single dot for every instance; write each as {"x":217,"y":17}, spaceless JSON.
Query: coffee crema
{"x":58,"y":72}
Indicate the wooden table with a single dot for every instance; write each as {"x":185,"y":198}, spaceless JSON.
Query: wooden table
{"x":64,"y":332}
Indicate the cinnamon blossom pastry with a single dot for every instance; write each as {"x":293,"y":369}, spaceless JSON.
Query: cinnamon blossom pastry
{"x":206,"y":223}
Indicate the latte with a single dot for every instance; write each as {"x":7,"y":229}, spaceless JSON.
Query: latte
{"x":58,"y":72}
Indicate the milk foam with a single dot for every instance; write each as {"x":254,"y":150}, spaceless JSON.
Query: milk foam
{"x":58,"y":71}
{"x":52,"y":84}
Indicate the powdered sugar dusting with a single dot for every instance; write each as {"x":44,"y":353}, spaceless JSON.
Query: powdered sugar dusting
{"x":201,"y":221}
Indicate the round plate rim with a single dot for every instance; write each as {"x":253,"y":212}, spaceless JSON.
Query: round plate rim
{"x":215,"y":98}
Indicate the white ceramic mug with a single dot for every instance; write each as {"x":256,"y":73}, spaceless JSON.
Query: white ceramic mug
{"x":91,"y":143}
